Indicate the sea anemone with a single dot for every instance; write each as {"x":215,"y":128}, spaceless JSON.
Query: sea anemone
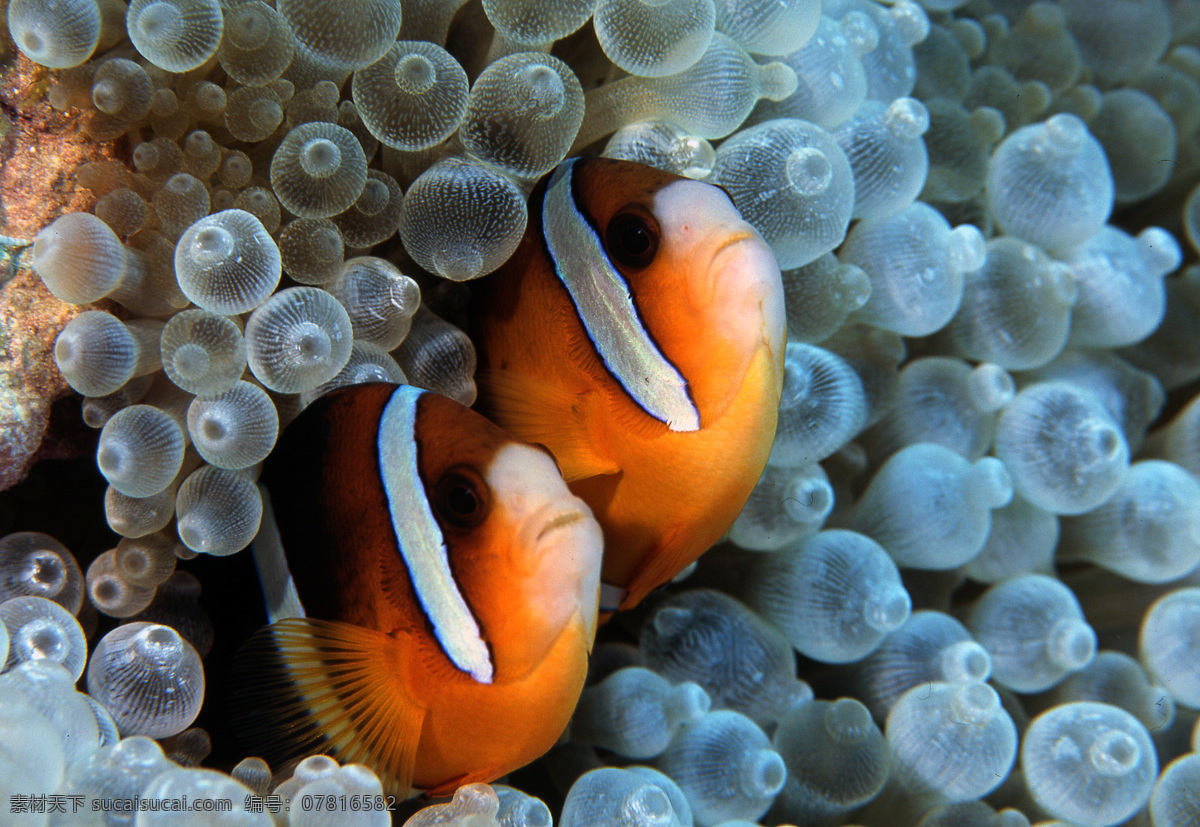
{"x":983,"y":500}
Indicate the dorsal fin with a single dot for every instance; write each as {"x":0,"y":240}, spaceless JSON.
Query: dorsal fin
{"x":274,"y":575}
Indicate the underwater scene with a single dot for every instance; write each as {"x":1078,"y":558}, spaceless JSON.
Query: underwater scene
{"x":600,"y":413}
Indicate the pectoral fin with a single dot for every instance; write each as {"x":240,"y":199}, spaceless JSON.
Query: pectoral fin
{"x":539,"y":412}
{"x":308,"y":686}
{"x":671,"y":555}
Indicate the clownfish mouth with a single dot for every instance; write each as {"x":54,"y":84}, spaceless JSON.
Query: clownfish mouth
{"x":735,"y":239}
{"x":730,"y":263}
{"x":568,"y":514}
{"x":563,"y":529}
{"x":745,"y":279}
{"x":710,"y":256}
{"x":567,"y":548}
{"x":746,"y":255}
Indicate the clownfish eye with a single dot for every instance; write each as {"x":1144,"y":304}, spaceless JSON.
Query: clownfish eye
{"x":460,"y":499}
{"x":631,"y":239}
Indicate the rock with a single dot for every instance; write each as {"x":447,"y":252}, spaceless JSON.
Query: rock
{"x":39,"y":152}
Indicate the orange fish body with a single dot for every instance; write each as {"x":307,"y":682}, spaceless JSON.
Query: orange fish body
{"x":638,"y":333}
{"x":433,"y":587}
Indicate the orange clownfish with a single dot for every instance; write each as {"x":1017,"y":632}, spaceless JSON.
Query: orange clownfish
{"x":638,"y":333}
{"x":432,"y":588}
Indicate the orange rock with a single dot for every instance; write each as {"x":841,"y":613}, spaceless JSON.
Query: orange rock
{"x":38,"y":157}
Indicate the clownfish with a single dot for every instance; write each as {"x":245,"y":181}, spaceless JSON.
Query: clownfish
{"x":431,"y":587}
{"x":638,"y":333}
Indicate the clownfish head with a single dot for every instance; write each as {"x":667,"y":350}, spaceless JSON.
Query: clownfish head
{"x":702,"y":290}
{"x":523,"y":552}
